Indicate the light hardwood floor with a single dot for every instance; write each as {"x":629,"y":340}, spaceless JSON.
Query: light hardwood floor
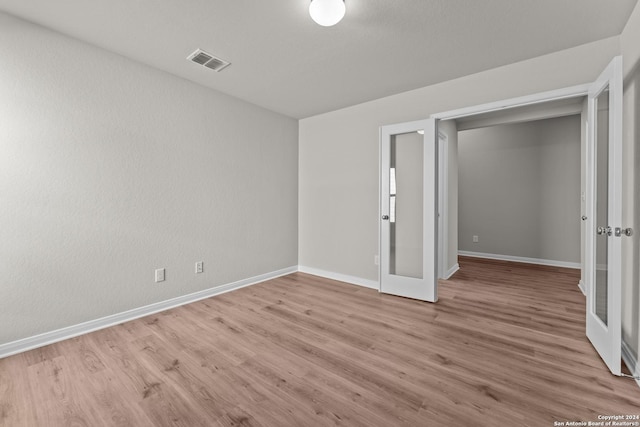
{"x":504,"y":346}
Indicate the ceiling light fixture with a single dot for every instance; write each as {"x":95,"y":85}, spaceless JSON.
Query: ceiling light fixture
{"x":327,"y":12}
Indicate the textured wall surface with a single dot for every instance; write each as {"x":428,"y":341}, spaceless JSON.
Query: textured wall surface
{"x":110,"y":169}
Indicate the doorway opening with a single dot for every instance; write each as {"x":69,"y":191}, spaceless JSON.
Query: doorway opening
{"x":517,"y":189}
{"x":519,"y":192}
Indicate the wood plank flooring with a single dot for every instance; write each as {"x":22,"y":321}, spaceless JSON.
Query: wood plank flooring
{"x":504,"y":346}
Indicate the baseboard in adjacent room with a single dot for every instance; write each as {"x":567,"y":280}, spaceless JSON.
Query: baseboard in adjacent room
{"x":525,"y":260}
{"x":47,"y":338}
{"x":340,"y":277}
{"x":452,"y":270}
{"x":631,"y":361}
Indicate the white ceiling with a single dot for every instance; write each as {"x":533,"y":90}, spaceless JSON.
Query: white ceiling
{"x":283,"y":61}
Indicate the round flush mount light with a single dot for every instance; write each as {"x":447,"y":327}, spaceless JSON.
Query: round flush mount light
{"x":327,"y":12}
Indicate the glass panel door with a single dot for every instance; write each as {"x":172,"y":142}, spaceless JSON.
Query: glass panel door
{"x":408,"y":210}
{"x":603,"y":251}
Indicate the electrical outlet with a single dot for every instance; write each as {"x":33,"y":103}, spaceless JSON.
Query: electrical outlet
{"x":160,"y":275}
{"x":199,"y":267}
{"x":376,"y":259}
{"x":475,"y":239}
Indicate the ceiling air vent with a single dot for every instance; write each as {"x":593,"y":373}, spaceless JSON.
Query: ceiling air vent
{"x":206,"y":59}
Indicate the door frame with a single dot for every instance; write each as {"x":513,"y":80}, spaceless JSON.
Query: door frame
{"x":443,"y":205}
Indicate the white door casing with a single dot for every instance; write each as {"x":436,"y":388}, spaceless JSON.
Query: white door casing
{"x":443,"y":202}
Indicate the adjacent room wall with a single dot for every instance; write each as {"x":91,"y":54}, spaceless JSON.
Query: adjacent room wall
{"x":519,"y":190}
{"x":110,"y":169}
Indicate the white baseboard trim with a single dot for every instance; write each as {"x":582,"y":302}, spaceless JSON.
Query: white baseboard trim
{"x":47,"y":338}
{"x":631,"y":361}
{"x":525,"y":260}
{"x":582,"y":287}
{"x":452,"y":271}
{"x":372,"y":284}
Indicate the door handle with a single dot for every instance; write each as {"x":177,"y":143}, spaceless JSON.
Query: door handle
{"x":385,"y":217}
{"x":626,"y":231}
{"x":584,"y":217}
{"x":604,"y":230}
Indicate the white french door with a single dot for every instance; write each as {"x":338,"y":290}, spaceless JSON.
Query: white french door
{"x":603,"y":251}
{"x":408,"y":209}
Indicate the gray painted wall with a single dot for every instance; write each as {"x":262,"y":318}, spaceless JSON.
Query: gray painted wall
{"x":110,"y":169}
{"x":519,"y":189}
